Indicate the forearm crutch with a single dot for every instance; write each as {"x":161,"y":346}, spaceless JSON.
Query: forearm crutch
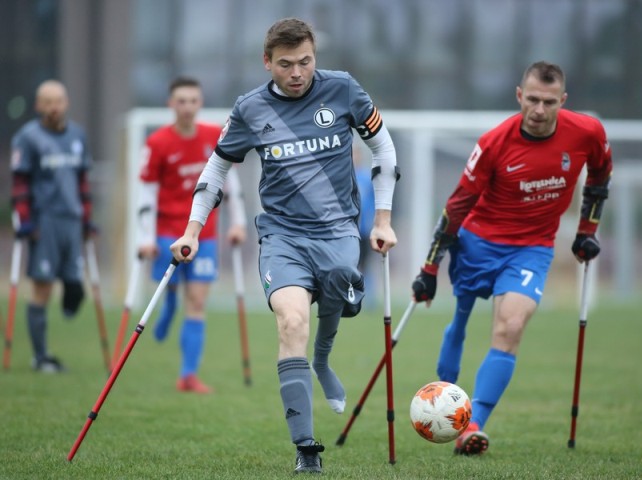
{"x":239,"y":287}
{"x":16,"y":256}
{"x":390,"y":413}
{"x":127,"y":308}
{"x":94,"y":279}
{"x":580,"y":354}
{"x":395,"y":338}
{"x":123,"y":357}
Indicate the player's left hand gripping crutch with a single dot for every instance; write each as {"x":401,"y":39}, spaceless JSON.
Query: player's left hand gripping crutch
{"x":94,"y":279}
{"x":580,"y":353}
{"x":129,"y":303}
{"x":237,"y":264}
{"x":388,"y":339}
{"x":16,"y":255}
{"x":395,"y":338}
{"x":123,"y":358}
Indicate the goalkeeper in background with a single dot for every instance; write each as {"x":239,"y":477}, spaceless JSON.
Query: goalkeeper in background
{"x":500,"y":225}
{"x":173,"y":158}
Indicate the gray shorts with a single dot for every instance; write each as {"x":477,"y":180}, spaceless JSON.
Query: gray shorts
{"x":57,"y":252}
{"x":298,"y":261}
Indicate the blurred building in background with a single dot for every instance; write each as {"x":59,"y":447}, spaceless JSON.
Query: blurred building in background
{"x":116,"y":55}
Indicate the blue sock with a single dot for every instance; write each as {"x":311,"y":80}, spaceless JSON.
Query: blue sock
{"x":192,"y":339}
{"x":166,"y":315}
{"x":452,"y":345}
{"x":493,"y":377}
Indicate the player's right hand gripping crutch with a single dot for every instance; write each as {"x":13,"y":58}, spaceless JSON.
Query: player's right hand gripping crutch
{"x":580,"y":354}
{"x":129,"y":303}
{"x":364,"y":396}
{"x":237,"y":264}
{"x":123,"y":358}
{"x":16,"y":255}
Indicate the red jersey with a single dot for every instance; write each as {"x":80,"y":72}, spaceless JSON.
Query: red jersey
{"x":175,"y":163}
{"x":526,"y":184}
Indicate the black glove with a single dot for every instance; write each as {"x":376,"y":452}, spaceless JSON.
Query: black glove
{"x":585,"y":247}
{"x":425,"y":286}
{"x":89,"y":230}
{"x":26,"y":230}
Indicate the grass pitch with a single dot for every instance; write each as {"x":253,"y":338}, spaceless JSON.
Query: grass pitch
{"x":145,"y":429}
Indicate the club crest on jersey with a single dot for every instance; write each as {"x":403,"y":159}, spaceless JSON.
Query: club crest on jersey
{"x":324,"y":117}
{"x":566,"y":162}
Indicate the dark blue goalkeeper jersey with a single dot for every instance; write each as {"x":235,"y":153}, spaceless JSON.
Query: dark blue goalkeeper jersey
{"x":307,"y":185}
{"x":54,"y":161}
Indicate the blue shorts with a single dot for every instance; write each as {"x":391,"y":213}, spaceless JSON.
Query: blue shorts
{"x":304,"y":262}
{"x":204,"y":267}
{"x":481,"y":268}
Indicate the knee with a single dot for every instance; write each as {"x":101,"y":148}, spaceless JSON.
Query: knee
{"x":293,"y":328}
{"x":508,"y":331}
{"x":195,"y":306}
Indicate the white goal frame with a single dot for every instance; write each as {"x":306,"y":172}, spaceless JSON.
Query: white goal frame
{"x":415,"y":134}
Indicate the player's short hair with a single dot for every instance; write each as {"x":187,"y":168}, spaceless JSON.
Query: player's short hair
{"x":288,"y":32}
{"x":546,"y":73}
{"x":183,"y":82}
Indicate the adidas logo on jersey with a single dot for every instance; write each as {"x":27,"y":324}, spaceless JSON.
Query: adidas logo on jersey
{"x":267,"y":129}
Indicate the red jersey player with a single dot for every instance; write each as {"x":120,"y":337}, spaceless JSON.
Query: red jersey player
{"x":500,"y":225}
{"x":174,"y":157}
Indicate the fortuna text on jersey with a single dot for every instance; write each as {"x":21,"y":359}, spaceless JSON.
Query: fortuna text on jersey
{"x":300,"y":147}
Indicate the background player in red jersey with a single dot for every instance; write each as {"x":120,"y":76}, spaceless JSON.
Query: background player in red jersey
{"x":174,"y":157}
{"x":500,"y":225}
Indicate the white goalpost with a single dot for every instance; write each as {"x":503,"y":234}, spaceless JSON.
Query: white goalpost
{"x":432,"y":148}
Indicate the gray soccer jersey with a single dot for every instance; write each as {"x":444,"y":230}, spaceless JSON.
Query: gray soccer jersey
{"x":308,"y":184}
{"x":53,"y":161}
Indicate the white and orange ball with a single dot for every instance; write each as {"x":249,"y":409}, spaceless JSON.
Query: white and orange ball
{"x":440,"y":411}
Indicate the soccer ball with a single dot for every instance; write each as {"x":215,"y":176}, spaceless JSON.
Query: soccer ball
{"x":440,"y":412}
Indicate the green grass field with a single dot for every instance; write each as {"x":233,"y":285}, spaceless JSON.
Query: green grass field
{"x":146,"y":429}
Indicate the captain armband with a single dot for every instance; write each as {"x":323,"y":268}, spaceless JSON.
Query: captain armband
{"x":593,"y":202}
{"x":440,"y":243}
{"x":216,"y":198}
{"x":377,"y":170}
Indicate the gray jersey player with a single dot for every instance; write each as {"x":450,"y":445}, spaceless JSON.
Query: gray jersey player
{"x":50,"y":195}
{"x":301,"y":124}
